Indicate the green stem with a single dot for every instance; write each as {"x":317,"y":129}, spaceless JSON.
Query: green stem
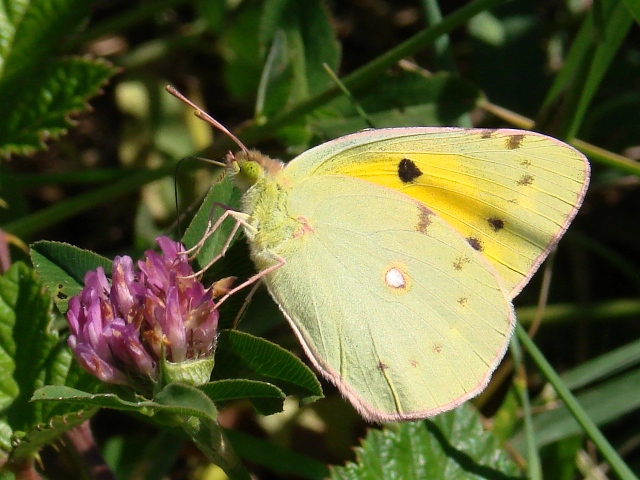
{"x":443,"y":52}
{"x":606,"y":450}
{"x":445,"y":59}
{"x":60,"y":211}
{"x":534,"y":469}
{"x":123,"y":21}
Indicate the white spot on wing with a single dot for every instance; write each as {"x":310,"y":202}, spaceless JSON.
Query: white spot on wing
{"x":395,"y":278}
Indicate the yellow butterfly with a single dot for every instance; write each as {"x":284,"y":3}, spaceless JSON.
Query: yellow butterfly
{"x":395,"y":253}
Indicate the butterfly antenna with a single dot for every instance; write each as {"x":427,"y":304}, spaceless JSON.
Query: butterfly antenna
{"x":202,"y":115}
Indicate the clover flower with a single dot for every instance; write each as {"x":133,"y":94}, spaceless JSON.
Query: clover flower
{"x":124,"y":331}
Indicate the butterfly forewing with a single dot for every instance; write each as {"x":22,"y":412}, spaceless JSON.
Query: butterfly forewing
{"x":510,"y":193}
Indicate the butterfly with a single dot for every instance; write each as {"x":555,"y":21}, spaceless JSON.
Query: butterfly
{"x":395,"y":253}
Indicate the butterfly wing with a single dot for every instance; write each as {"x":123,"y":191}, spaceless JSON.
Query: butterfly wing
{"x":390,"y":303}
{"x":510,"y":193}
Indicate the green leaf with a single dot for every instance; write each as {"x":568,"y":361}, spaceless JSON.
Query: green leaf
{"x":224,"y":193}
{"x":292,"y":29}
{"x":186,"y":400}
{"x":31,"y":355}
{"x":452,"y":445}
{"x":603,"y":366}
{"x":62,"y":268}
{"x":37,"y":107}
{"x":634,"y":9}
{"x":591,"y":54}
{"x":403,"y":99}
{"x":38,"y":91}
{"x":174,"y":399}
{"x":32,"y":29}
{"x":277,"y":458}
{"x":175,"y":405}
{"x":29,"y":347}
{"x":240,"y":355}
{"x":239,"y":41}
{"x":560,"y":458}
{"x":266,"y":398}
{"x":203,"y":426}
{"x":43,"y":434}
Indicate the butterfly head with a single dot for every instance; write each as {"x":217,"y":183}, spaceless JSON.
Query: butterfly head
{"x":248,"y":167}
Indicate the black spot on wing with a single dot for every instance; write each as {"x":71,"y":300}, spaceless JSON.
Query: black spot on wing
{"x":496,"y":224}
{"x":408,"y":171}
{"x":475,"y":243}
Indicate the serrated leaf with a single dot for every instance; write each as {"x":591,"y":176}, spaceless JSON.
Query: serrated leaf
{"x":240,"y":355}
{"x":266,"y":398}
{"x":452,"y":445}
{"x":30,"y":347}
{"x":32,"y":29}
{"x":37,"y":104}
{"x":38,"y":91}
{"x":46,"y":433}
{"x":62,"y":268}
{"x":31,"y":356}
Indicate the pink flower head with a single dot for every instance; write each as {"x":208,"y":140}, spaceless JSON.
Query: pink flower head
{"x":120,"y":330}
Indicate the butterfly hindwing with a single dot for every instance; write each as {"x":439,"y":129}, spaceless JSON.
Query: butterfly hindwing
{"x":390,"y":303}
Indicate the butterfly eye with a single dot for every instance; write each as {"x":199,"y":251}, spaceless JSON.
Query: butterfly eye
{"x":246,"y":173}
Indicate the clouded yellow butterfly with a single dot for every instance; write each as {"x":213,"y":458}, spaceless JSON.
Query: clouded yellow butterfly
{"x":395,"y":253}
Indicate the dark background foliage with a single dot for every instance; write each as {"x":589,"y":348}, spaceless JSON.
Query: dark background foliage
{"x":215,"y":53}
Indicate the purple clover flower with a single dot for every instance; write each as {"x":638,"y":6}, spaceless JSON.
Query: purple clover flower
{"x":121,"y":331}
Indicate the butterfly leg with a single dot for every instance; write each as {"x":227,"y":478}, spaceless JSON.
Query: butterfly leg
{"x":246,"y":302}
{"x":255,"y":278}
{"x":241,"y":220}
{"x":210,"y":230}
